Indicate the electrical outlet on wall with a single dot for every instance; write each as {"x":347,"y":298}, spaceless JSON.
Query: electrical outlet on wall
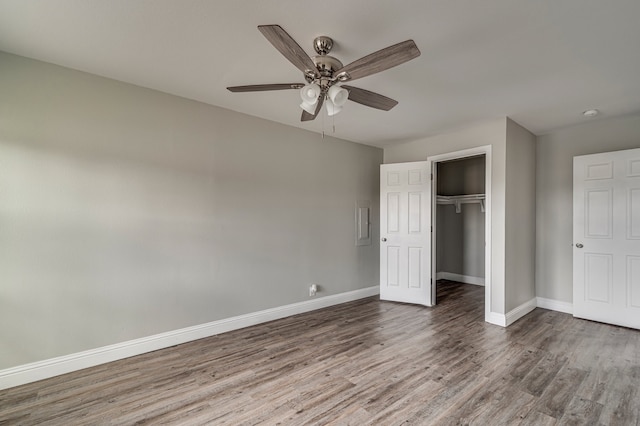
{"x":313,"y":289}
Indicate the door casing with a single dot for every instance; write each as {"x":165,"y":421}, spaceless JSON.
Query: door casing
{"x":457,"y":155}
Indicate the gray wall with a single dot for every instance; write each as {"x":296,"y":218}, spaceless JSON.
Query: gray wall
{"x":460,"y":236}
{"x":521,"y":215}
{"x":126,"y":212}
{"x":459,"y":177}
{"x":554,"y":194}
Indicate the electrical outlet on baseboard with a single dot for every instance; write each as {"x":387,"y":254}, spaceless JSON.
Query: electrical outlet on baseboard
{"x":313,"y":289}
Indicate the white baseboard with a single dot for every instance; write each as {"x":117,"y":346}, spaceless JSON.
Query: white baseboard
{"x":522,"y":310}
{"x":28,"y":373}
{"x":496,"y":319}
{"x":467,"y":279}
{"x":512,"y":316}
{"x":555,"y":305}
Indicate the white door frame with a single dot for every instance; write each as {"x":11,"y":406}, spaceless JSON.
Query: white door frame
{"x":471,"y":152}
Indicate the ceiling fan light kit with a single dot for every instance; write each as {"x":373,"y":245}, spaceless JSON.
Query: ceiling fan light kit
{"x":310,"y":108}
{"x":323,"y":73}
{"x":334,"y":99}
{"x":310,"y":94}
{"x":332,"y":109}
{"x":338,"y":95}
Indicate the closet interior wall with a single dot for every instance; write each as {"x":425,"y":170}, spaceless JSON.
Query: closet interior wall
{"x":460,"y":236}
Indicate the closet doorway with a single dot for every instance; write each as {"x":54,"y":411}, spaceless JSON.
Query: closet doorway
{"x":461,"y":248}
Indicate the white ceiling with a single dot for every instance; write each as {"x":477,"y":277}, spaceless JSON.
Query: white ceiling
{"x":540,"y":62}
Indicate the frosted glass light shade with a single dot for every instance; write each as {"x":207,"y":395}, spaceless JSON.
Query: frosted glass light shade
{"x":310,"y":93}
{"x":332,"y":109}
{"x":338,"y":95}
{"x":310,"y":108}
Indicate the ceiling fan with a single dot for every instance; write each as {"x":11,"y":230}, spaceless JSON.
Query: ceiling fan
{"x":325,"y":74}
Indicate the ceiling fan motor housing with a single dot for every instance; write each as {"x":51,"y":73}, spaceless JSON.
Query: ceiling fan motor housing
{"x":325,"y":64}
{"x":323,"y":45}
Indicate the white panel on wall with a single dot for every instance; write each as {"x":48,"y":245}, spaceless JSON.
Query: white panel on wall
{"x":393,"y":212}
{"x":415,"y":267}
{"x":599,"y":171}
{"x":393,"y":266}
{"x":363,"y":222}
{"x":415,"y":212}
{"x":633,"y":168}
{"x":633,"y":214}
{"x":598,"y":277}
{"x":633,"y":281}
{"x":599,"y":213}
{"x":393,"y":178}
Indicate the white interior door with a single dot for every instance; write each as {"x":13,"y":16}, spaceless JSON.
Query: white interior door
{"x":606,"y":231}
{"x":405,"y":232}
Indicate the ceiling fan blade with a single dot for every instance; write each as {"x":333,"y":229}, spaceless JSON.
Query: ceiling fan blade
{"x":308,"y":117}
{"x":286,"y":45}
{"x":370,"y":99}
{"x":265,"y":87}
{"x":381,"y":60}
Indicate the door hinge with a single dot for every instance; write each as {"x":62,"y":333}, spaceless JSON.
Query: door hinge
{"x":431,"y":176}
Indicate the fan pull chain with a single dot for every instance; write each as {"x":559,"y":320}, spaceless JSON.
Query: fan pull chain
{"x":322,"y":122}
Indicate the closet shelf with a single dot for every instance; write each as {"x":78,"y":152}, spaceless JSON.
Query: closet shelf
{"x":459,"y":200}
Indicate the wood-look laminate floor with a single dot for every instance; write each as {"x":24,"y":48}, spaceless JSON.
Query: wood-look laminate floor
{"x":365,"y":362}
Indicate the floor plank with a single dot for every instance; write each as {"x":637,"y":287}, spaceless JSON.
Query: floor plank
{"x":360,"y":363}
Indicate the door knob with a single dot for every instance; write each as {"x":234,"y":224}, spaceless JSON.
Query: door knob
{"x":579,"y":245}
{"x":384,"y":239}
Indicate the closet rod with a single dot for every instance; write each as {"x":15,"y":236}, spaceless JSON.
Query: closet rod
{"x":458,"y":200}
